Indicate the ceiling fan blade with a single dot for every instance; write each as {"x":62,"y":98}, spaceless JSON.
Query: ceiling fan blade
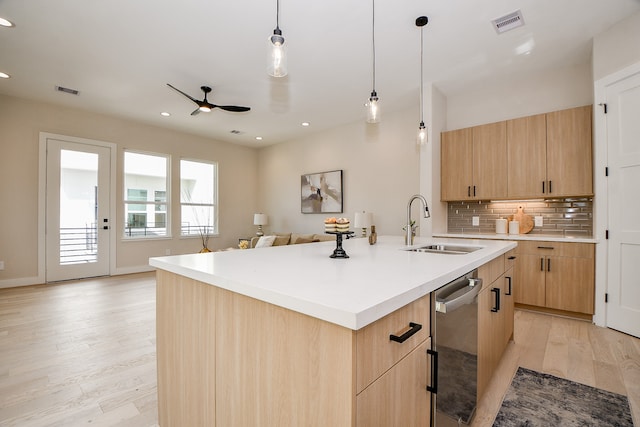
{"x":234,"y":108}
{"x":195,"y":112}
{"x":187,"y":95}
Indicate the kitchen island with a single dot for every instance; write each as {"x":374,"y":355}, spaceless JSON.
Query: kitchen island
{"x":288,"y":336}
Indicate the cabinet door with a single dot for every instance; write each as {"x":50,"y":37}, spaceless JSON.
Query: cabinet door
{"x":527,"y":156}
{"x":400,"y":396}
{"x":569,"y":152}
{"x":490,"y":334}
{"x":570,"y":283}
{"x":529,"y":284}
{"x":490,"y":161}
{"x":456,"y":164}
{"x":508,"y":304}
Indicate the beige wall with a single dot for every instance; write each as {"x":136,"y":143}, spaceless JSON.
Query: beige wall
{"x":21,"y":122}
{"x":521,"y":95}
{"x":617,"y":48}
{"x":380,"y":166}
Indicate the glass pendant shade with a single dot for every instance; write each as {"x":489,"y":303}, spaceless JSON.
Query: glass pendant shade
{"x":277,"y":55}
{"x":373,"y":108}
{"x":422,"y":134}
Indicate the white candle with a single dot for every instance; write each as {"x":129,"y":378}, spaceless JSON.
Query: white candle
{"x":514,"y":227}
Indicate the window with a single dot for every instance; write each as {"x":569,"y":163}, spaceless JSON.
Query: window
{"x":198,"y":198}
{"x":145,"y":176}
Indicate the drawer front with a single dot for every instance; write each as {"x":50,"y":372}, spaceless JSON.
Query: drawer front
{"x":543,"y":248}
{"x":510,"y":259}
{"x":376,"y":352}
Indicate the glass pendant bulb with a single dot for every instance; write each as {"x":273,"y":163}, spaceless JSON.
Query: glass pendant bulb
{"x":422,"y":134}
{"x":277,"y":55}
{"x":373,"y":108}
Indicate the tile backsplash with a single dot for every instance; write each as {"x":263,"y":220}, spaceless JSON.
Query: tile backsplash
{"x":561,"y":217}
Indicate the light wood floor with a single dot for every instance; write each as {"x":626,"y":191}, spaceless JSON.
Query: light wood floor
{"x":83,"y":353}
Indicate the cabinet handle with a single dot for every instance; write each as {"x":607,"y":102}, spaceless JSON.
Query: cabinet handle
{"x":474,"y":191}
{"x":511,"y":258}
{"x":433,"y":388}
{"x":468,"y":191}
{"x":509,"y":282}
{"x":541,"y":264}
{"x":548,"y":264}
{"x":542,"y":187}
{"x":546,"y":247}
{"x":550,"y":187}
{"x":496,"y":307}
{"x":415,"y":327}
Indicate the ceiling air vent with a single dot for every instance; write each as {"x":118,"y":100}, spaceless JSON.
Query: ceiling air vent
{"x":235,"y":132}
{"x":67,"y":90}
{"x":508,"y":22}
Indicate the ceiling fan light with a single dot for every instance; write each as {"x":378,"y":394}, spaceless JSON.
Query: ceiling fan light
{"x":423,"y":136}
{"x":204,"y":109}
{"x":373,"y":108}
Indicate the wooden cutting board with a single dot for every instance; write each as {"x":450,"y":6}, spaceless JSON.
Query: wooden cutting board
{"x":526,"y":222}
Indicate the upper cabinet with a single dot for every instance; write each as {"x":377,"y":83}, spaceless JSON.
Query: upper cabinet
{"x":474,"y":163}
{"x":569,"y":153}
{"x":546,"y":155}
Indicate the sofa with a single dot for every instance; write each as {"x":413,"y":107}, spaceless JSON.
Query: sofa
{"x":281,"y":239}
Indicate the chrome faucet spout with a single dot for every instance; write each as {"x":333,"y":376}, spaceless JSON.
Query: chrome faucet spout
{"x":409,"y":234}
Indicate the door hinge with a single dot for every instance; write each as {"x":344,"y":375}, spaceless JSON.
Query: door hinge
{"x":604,"y":106}
{"x":606,"y":298}
{"x":606,"y":171}
{"x":606,"y":234}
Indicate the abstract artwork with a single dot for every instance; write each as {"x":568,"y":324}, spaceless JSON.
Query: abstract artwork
{"x":321,"y":192}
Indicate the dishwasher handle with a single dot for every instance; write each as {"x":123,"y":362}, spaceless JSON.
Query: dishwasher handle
{"x":448,"y":306}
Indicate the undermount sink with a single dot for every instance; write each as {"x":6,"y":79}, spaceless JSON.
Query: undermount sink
{"x":446,"y":249}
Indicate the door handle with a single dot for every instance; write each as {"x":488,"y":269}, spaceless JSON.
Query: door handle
{"x":433,"y":388}
{"x":541,"y":264}
{"x":474,"y":191}
{"x":550,"y":187}
{"x":468,"y":191}
{"x":496,"y":306}
{"x":509,"y":282}
{"x":542,"y":187}
{"x":548,"y":264}
{"x":105,"y":227}
{"x":415,"y":327}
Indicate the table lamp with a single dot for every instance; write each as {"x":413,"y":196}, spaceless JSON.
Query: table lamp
{"x":363,"y":220}
{"x":260,"y":219}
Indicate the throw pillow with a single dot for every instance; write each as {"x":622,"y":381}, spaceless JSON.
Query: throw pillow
{"x":265,"y":241}
{"x":282,"y":239}
{"x":305,"y":240}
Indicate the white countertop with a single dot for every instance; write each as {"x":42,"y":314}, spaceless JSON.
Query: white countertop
{"x":535,"y":237}
{"x":375,"y":281}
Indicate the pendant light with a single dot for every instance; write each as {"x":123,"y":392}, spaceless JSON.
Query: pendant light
{"x":373,"y":108}
{"x":422,"y":129}
{"x":277,"y":55}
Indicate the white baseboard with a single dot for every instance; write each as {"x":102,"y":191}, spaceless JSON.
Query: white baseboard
{"x":22,"y":281}
{"x":132,"y":270}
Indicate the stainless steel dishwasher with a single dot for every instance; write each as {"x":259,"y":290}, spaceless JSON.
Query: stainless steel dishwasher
{"x":454,"y":331}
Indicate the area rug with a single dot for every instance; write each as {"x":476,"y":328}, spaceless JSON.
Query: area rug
{"x":535,"y":399}
{"x":457,"y":383}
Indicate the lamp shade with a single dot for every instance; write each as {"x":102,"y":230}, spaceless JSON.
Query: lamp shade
{"x":363,"y":219}
{"x":260,"y":219}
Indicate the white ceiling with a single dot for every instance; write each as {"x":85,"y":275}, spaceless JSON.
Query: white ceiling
{"x":120,"y":54}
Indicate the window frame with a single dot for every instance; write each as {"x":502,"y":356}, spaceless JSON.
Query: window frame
{"x":150,"y":214}
{"x":215,"y":198}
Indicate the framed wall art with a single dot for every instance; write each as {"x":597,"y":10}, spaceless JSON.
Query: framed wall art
{"x":321,"y":192}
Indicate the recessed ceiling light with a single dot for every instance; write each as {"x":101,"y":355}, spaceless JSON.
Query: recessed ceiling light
{"x":6,"y":23}
{"x":4,"y":75}
{"x":305,"y":124}
{"x":259,"y":138}
{"x":165,"y":114}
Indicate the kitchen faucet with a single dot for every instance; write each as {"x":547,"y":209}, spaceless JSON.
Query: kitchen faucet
{"x":409,"y":239}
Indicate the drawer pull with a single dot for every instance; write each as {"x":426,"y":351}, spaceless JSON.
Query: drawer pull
{"x":511,"y":258}
{"x":509,"y":280}
{"x":433,"y":388}
{"x":546,"y":247}
{"x":415,"y":327}
{"x":496,"y":307}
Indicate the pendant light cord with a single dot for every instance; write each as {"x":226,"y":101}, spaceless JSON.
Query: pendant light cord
{"x":373,"y":37}
{"x":278,"y":14}
{"x":421,"y":74}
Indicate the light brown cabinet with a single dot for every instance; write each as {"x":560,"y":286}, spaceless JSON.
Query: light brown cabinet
{"x":545,"y":155}
{"x":556,"y":275}
{"x":495,"y":316}
{"x":229,"y":360}
{"x":474,"y":163}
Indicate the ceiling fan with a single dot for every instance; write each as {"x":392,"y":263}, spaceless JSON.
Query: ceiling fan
{"x":205,"y":106}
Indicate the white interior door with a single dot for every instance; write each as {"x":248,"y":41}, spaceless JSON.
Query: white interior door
{"x":77,"y":210}
{"x":623,"y":135}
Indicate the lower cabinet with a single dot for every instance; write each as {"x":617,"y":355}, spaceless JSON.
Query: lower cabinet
{"x":556,"y":275}
{"x":495,"y":318}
